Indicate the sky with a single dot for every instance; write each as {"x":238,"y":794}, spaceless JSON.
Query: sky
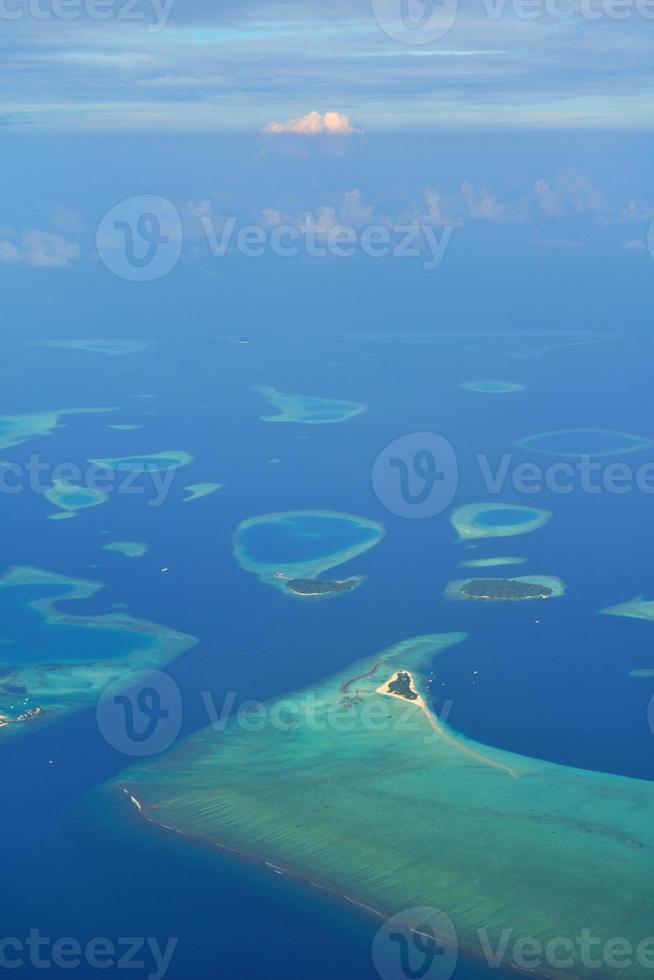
{"x":387,"y":64}
{"x":498,"y":141}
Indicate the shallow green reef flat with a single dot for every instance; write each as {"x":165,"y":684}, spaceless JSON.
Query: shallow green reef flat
{"x":131,"y":549}
{"x":638,"y":608}
{"x":555,"y":585}
{"x":497,"y":520}
{"x":111,"y":346}
{"x":302,"y":544}
{"x":169,"y":459}
{"x":371,"y":797}
{"x":491,"y":562}
{"x":54,"y":663}
{"x":308,"y":408}
{"x":197,"y":490}
{"x":575,"y":443}
{"x":71,"y":497}
{"x":16,"y":429}
{"x":492,"y":387}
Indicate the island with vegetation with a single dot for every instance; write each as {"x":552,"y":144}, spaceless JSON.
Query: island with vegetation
{"x":506,"y":589}
{"x":316,"y":587}
{"x":400,"y":685}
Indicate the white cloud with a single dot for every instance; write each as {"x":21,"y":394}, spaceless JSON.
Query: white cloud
{"x":635,"y":245}
{"x":9,"y":253}
{"x":482,"y":205}
{"x":314,"y":124}
{"x":569,"y":192}
{"x":558,"y":243}
{"x":40,"y":250}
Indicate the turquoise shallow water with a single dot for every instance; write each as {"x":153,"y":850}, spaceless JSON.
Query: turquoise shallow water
{"x":302,"y":538}
{"x":545,"y":688}
{"x":504,"y":517}
{"x":28,"y":639}
{"x":584,"y":442}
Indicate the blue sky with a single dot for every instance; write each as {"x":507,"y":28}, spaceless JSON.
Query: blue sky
{"x":197,"y":65}
{"x":517,"y":129}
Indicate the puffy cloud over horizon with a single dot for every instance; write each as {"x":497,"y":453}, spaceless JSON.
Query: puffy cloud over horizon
{"x":315,"y":124}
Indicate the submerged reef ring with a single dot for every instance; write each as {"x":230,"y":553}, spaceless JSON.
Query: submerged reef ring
{"x":373,"y":797}
{"x":491,"y":562}
{"x":576,"y":443}
{"x":197,"y":490}
{"x":492,"y":387}
{"x":169,"y":459}
{"x":59,"y":663}
{"x":71,"y":497}
{"x":16,"y":429}
{"x":301,"y":545}
{"x":131,"y":549}
{"x":113,"y":346}
{"x":524,"y":587}
{"x":497,"y":520}
{"x":308,"y":408}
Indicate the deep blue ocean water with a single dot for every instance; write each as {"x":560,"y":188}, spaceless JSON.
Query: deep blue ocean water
{"x":550,"y":680}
